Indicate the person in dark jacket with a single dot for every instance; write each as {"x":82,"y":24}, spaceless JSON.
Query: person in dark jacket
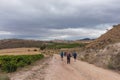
{"x":68,"y":58}
{"x":74,"y":56}
{"x":62,"y":54}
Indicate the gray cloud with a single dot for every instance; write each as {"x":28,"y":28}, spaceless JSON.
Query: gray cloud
{"x":37,"y":19}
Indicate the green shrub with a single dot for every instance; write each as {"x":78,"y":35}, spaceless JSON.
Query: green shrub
{"x":28,"y":62}
{"x":9,"y":67}
{"x":42,"y":47}
{"x":21,"y":64}
{"x":11,"y":63}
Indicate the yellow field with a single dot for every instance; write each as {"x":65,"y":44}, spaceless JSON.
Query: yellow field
{"x":19,"y":51}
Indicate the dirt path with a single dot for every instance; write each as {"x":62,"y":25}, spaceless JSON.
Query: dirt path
{"x":59,"y":70}
{"x":55,"y":69}
{"x":34,"y":72}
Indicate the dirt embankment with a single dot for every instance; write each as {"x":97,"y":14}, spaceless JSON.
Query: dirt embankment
{"x":106,"y":58}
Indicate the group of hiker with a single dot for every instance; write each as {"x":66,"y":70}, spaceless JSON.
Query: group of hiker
{"x":68,"y":55}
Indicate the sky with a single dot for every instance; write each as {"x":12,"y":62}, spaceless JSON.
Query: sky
{"x":57,"y":19}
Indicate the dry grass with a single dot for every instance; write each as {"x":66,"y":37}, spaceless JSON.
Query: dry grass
{"x":19,"y":51}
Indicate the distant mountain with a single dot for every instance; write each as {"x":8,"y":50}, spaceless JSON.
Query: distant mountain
{"x":86,"y":39}
{"x":112,"y":36}
{"x":61,"y":41}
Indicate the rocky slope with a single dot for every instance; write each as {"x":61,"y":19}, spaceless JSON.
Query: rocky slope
{"x":104,"y":51}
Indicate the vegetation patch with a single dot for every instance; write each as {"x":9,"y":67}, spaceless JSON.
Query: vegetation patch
{"x":10,"y":63}
{"x":114,"y":62}
{"x":65,"y":45}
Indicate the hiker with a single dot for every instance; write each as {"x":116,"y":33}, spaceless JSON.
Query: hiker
{"x":62,"y":54}
{"x":65,"y":53}
{"x":68,"y":58}
{"x":74,"y":55}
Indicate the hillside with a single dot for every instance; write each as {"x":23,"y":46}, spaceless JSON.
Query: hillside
{"x":18,"y":43}
{"x":112,"y":36}
{"x":104,"y":51}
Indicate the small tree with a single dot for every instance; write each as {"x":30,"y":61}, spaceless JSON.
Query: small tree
{"x":42,"y":47}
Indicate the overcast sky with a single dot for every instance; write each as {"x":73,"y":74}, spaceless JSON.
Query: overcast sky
{"x":57,"y":19}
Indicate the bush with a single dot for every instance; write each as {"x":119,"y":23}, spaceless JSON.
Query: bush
{"x":11,"y":63}
{"x":21,"y":64}
{"x":9,"y":67}
{"x":35,"y":50}
{"x":42,"y":47}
